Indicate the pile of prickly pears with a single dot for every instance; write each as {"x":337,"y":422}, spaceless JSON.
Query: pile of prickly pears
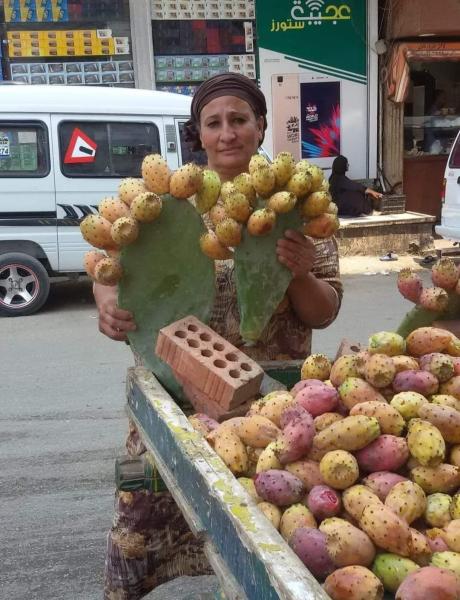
{"x":438,"y":302}
{"x":358,"y":466}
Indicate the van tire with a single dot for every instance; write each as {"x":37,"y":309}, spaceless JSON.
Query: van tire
{"x":32,"y":294}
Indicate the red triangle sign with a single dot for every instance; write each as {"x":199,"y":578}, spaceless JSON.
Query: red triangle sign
{"x":81,"y":148}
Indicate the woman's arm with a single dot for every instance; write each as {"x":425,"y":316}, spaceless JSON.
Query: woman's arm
{"x":315,"y":300}
{"x":114,"y":322}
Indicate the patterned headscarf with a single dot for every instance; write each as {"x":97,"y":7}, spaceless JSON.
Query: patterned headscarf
{"x":226,"y":84}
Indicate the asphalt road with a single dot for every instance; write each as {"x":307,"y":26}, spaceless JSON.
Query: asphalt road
{"x":62,"y":424}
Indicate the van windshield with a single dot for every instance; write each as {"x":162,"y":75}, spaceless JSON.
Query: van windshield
{"x":454,"y":162}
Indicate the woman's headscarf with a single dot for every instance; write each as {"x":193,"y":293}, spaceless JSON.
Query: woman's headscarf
{"x":225,"y":84}
{"x":339,"y":168}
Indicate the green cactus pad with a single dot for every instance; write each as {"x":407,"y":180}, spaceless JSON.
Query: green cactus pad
{"x":421,"y":317}
{"x":167,"y":277}
{"x":261,"y":280}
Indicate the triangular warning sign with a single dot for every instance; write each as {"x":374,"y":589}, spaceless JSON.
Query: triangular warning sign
{"x":81,"y":148}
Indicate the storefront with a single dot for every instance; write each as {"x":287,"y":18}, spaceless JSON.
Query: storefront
{"x":421,"y":89}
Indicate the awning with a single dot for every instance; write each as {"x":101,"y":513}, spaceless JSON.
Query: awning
{"x":402,"y":53}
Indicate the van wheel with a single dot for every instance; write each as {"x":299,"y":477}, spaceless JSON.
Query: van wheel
{"x":24,"y":285}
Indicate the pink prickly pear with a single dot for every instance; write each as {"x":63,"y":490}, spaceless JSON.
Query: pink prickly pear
{"x":304,"y":383}
{"x":381,"y":482}
{"x":423,"y":382}
{"x":410,"y":285}
{"x":434,"y":298}
{"x":324,"y":502}
{"x":445,"y":274}
{"x":386,"y":453}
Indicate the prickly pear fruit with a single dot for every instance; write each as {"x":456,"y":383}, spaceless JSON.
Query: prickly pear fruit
{"x":390,"y":420}
{"x":326,"y":419}
{"x":272,"y":512}
{"x":403,"y":362}
{"x":232,"y":451}
{"x":441,"y":478}
{"x":242,"y":183}
{"x":186,"y":181}
{"x":228,"y":232}
{"x":379,"y":370}
{"x":382,"y":482}
{"x":452,"y":535}
{"x":410,"y":285}
{"x":297,"y":515}
{"x":356,"y":498}
{"x":455,"y":506}
{"x":323,"y":501}
{"x":354,"y":391}
{"x":451,"y":387}
{"x":446,"y":419}
{"x":156,"y":174}
{"x":258,"y":431}
{"x":217,"y":213}
{"x":237,"y":207}
{"x":146,"y":207}
{"x":434,"y":298}
{"x":263,"y":180}
{"x":261,"y":222}
{"x":439,"y":364}
{"x":209,"y":193}
{"x":353,"y":583}
{"x":425,"y":443}
{"x":346,"y":544}
{"x":228,"y":188}
{"x":408,"y":404}
{"x":96,"y":231}
{"x":429,"y":582}
{"x":422,"y":382}
{"x":268,"y":459}
{"x":321,"y":227}
{"x":202,"y":423}
{"x":421,"y":550}
{"x":108,"y":271}
{"x":437,"y":512}
{"x":392,"y":569}
{"x":339,"y":469}
{"x":386,"y":342}
{"x":129,"y":188}
{"x":318,"y":399}
{"x":112,"y":208}
{"x":273,"y":405}
{"x":279,"y":487}
{"x":90,"y":260}
{"x":282,"y":202}
{"x":386,"y":453}
{"x":296,"y":439}
{"x":425,"y":340}
{"x":292,"y":412}
{"x":283,"y":167}
{"x":407,"y":500}
{"x":307,"y":471}
{"x":447,"y":560}
{"x":445,"y":400}
{"x":212,"y":247}
{"x":299,"y":184}
{"x":351,"y":433}
{"x":310,"y":546}
{"x":445,"y":274}
{"x":257,"y":160}
{"x":124,"y":231}
{"x":315,"y":204}
{"x":345,"y":366}
{"x":316,"y":366}
{"x":386,"y":529}
{"x":303,"y":383}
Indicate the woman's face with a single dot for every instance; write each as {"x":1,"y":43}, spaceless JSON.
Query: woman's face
{"x":230,"y":133}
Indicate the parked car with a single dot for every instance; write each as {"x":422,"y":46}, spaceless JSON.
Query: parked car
{"x":450,"y":214}
{"x":62,"y":149}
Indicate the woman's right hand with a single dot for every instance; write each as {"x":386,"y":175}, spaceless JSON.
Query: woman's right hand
{"x":114,"y":322}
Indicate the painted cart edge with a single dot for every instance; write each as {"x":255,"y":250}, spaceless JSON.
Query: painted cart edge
{"x":251,"y":558}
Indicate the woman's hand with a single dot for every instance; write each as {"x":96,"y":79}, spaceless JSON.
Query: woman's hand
{"x":114,"y":322}
{"x":296,"y":252}
{"x":373,"y":193}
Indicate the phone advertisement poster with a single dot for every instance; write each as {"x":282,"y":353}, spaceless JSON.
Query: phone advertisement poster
{"x":320,"y":119}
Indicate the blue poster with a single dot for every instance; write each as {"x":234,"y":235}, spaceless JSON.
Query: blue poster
{"x":320,"y":119}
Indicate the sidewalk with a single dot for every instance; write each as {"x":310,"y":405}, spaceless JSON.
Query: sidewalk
{"x":354,"y":265}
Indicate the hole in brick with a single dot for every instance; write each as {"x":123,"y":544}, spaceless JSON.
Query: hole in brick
{"x":206,"y":352}
{"x":193,"y":343}
{"x":205,"y":337}
{"x":246,"y":367}
{"x":234,"y":373}
{"x":218,"y":347}
{"x":180,"y":334}
{"x":221,"y":364}
{"x":231,"y":356}
{"x":192,"y":328}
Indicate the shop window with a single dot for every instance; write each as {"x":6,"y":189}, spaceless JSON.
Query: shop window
{"x":23,"y":150}
{"x":113,"y":149}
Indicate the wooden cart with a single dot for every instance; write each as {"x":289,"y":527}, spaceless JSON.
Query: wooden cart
{"x":250,"y":558}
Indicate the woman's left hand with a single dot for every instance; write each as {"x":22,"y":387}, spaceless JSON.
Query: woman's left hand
{"x":296,"y":252}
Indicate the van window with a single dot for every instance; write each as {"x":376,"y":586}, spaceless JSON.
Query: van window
{"x":23,"y":149}
{"x":112,"y":149}
{"x":454,"y":162}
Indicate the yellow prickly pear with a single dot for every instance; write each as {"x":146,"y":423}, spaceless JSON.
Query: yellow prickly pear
{"x":97,"y":231}
{"x":272,"y":512}
{"x":315,"y":204}
{"x":112,"y":208}
{"x":228,"y":232}
{"x":257,"y":160}
{"x":379,"y":370}
{"x":242,"y":183}
{"x":227,"y":189}
{"x":339,"y":469}
{"x":108,"y":271}
{"x":386,"y":342}
{"x":212,"y":247}
{"x":263,"y":181}
{"x":156,"y":174}
{"x":407,"y":404}
{"x":282,"y":202}
{"x":261,"y":222}
{"x":299,"y":184}
{"x":322,"y":226}
{"x":283,"y":166}
{"x":208,"y":195}
{"x":316,"y":366}
{"x":90,"y":260}
{"x":237,"y":207}
{"x":124,"y":231}
{"x":129,"y":188}
{"x":217,"y":213}
{"x":146,"y":207}
{"x":425,"y":443}
{"x":186,"y":181}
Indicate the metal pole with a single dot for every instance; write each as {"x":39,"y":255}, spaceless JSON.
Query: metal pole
{"x":142,"y":43}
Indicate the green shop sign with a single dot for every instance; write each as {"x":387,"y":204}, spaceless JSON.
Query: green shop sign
{"x":319,"y":35}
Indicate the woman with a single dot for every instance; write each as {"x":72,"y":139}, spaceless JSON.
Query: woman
{"x":352,"y":198}
{"x":150,"y":542}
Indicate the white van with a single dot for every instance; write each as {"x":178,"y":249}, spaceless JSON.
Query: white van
{"x":62,"y":149}
{"x":450,"y":214}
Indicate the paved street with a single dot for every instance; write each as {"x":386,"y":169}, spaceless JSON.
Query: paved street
{"x":62,"y":424}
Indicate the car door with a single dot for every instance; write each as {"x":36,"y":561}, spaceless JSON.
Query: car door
{"x":93,"y":155}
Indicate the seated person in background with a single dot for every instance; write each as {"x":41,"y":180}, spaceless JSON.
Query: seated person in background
{"x":352,"y":198}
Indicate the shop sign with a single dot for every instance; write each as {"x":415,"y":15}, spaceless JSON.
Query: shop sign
{"x":323,"y":36}
{"x":4,"y":145}
{"x":81,"y":148}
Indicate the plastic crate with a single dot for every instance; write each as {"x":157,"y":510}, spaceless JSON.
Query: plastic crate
{"x":284,"y":371}
{"x":392,"y":203}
